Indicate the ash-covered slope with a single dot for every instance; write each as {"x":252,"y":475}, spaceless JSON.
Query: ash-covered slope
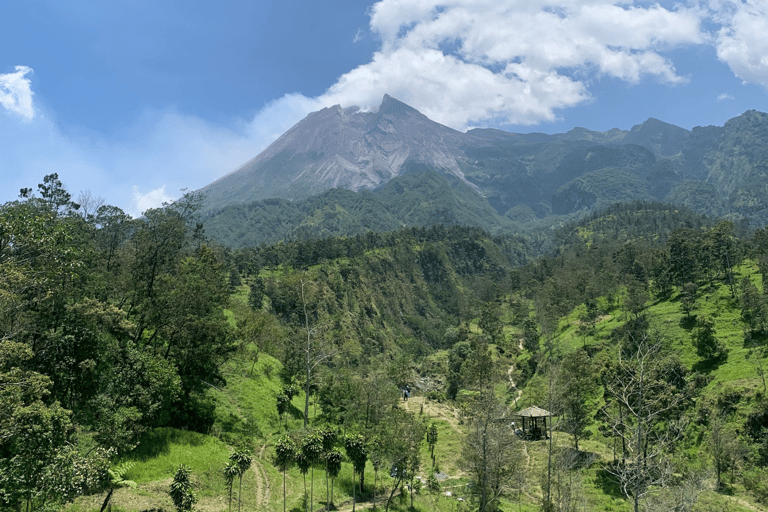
{"x":342,"y":148}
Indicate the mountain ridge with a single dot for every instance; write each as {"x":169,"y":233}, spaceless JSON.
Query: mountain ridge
{"x":717,"y":171}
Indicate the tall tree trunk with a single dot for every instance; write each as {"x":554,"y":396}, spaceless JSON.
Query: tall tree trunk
{"x":375,"y":478}
{"x":240,"y":494}
{"x":308,"y":361}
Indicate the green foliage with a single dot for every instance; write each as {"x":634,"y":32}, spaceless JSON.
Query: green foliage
{"x":181,"y":492}
{"x":705,"y":340}
{"x":117,"y":475}
{"x":577,"y":388}
{"x":111,"y":333}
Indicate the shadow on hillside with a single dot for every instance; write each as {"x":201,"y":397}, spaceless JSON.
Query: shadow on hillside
{"x":158,"y":441}
{"x":708,"y":365}
{"x":295,"y":412}
{"x":753,"y":339}
{"x":688,"y":322}
{"x":608,"y":483}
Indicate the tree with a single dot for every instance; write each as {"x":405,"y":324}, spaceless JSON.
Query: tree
{"x":184,"y":498}
{"x":704,"y":337}
{"x":230,"y":472}
{"x":33,"y":435}
{"x":312,"y":449}
{"x":89,"y":204}
{"x":315,"y":353}
{"x":646,"y":390}
{"x":333,"y":463}
{"x":55,"y":195}
{"x":636,"y":297}
{"x":754,"y":312}
{"x":354,"y":444}
{"x":242,"y":461}
{"x":531,"y":341}
{"x":531,"y":336}
{"x":566,"y":484}
{"x":328,"y":437}
{"x":723,"y":446}
{"x":432,"y":440}
{"x":283,"y":404}
{"x":577,"y":387}
{"x":719,"y":246}
{"x":490,"y":323}
{"x":285,"y":455}
{"x":684,"y":256}
{"x":756,"y":354}
{"x":480,"y":370}
{"x":401,"y":434}
{"x":688,"y":298}
{"x":491,"y":451}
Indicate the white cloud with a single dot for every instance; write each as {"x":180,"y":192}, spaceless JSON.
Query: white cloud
{"x":153,"y":199}
{"x":163,"y":152}
{"x":465,"y":62}
{"x":741,"y":42}
{"x":461,"y":62}
{"x":724,"y":96}
{"x":16,"y":93}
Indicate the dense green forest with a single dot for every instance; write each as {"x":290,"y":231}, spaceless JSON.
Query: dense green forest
{"x":136,"y":353}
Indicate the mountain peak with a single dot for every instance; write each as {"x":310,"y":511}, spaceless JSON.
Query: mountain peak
{"x":392,"y":106}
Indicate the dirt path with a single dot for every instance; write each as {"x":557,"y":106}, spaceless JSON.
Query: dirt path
{"x":262,"y":482}
{"x":512,"y":383}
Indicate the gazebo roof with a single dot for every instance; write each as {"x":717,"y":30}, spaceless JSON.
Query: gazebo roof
{"x":533,"y":412}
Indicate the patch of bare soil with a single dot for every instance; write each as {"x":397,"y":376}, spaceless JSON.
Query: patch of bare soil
{"x":435,"y":409}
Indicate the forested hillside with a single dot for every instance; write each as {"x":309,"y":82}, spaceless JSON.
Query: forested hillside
{"x":134,"y":352}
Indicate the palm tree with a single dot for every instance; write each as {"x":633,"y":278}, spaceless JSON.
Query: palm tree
{"x":230,"y":472}
{"x":242,"y":461}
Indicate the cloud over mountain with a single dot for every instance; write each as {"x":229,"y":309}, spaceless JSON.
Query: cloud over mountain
{"x":463,"y":63}
{"x":466,"y":62}
{"x":741,"y":42}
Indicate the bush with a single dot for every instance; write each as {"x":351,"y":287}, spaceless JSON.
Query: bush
{"x":756,"y":482}
{"x":437,"y":396}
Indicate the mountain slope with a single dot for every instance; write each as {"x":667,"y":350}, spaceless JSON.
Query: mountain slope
{"x":498,"y":175}
{"x":337,"y":147}
{"x":419,"y":197}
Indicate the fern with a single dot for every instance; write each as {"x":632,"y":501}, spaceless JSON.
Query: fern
{"x":117,"y":473}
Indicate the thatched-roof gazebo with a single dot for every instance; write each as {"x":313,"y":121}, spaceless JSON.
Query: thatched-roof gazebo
{"x":534,"y":422}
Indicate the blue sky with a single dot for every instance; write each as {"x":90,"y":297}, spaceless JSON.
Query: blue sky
{"x":134,"y":100}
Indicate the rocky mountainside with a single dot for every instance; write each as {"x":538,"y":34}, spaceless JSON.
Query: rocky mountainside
{"x":342,"y":148}
{"x":719,"y":171}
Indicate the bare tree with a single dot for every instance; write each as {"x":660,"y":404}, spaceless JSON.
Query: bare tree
{"x":648,"y":392}
{"x":491,"y":452}
{"x":681,"y":496}
{"x":315,"y":352}
{"x":89,"y":205}
{"x":566,"y":482}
